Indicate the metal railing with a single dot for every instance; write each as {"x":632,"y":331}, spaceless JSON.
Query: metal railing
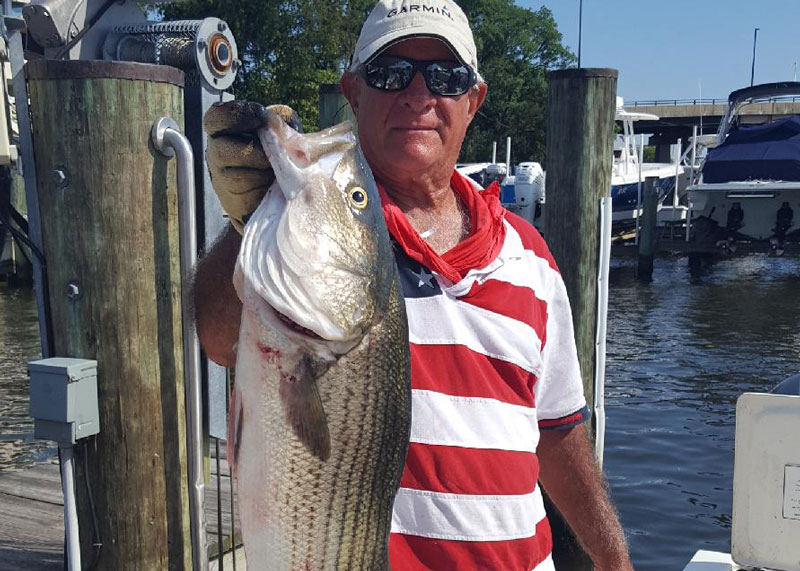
{"x":705,"y":101}
{"x":223,"y":519}
{"x":675,"y":102}
{"x":169,"y":141}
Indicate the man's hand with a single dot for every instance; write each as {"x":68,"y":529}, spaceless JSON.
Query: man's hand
{"x":241,"y":176}
{"x":571,"y":478}
{"x":240,"y":172}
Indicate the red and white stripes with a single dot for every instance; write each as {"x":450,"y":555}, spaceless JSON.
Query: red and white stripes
{"x":492,"y":357}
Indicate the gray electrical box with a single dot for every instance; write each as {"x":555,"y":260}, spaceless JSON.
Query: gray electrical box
{"x":64,"y":399}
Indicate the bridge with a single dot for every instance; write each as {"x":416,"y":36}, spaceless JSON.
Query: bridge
{"x":677,"y":117}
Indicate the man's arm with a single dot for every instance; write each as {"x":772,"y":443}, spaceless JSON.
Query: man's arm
{"x":217,"y":309}
{"x":572,"y":480}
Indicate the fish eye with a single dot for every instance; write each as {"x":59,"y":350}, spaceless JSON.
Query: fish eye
{"x":358,"y":197}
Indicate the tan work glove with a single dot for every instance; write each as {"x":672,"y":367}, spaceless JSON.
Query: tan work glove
{"x":240,"y":172}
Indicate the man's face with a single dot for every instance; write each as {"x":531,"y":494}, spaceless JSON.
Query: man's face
{"x":413,"y":132}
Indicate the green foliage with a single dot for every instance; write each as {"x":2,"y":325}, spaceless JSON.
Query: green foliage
{"x":290,"y":47}
{"x":516,"y":49}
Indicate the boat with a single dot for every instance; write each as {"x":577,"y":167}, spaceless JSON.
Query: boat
{"x":483,"y":173}
{"x":629,"y":172}
{"x":523,"y":192}
{"x":521,"y":188}
{"x":749,"y":183}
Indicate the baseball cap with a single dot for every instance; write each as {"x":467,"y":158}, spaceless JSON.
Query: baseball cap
{"x":394,"y":20}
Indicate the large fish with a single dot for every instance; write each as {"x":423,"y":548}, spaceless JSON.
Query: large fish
{"x":321,"y":407}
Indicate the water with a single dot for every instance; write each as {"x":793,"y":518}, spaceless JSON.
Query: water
{"x":19,"y":343}
{"x":680,"y":352}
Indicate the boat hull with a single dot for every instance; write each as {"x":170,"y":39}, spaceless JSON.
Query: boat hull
{"x":763,"y":209}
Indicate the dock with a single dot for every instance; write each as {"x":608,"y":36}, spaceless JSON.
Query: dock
{"x":677,"y":247}
{"x":670,"y":239}
{"x":32,"y":519}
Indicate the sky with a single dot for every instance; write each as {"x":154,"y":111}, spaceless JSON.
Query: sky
{"x":682,"y":49}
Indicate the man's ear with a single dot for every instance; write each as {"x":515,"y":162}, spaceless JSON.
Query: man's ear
{"x":476,"y":97}
{"x":351,"y":88}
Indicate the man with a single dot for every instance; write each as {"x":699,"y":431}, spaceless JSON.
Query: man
{"x":497,"y":397}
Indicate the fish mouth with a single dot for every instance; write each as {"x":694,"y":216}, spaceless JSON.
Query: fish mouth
{"x":296,"y":327}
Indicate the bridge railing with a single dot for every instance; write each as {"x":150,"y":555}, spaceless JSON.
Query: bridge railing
{"x":714,"y":101}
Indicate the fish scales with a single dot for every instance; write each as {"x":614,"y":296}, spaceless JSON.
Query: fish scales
{"x":320,"y":416}
{"x":339,"y":509}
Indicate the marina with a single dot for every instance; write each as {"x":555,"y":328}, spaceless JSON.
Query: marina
{"x":750,"y":180}
{"x":720,"y":194}
{"x":680,"y":352}
{"x":630,"y":170}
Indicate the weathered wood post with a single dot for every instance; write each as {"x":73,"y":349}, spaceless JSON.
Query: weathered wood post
{"x":647,"y":234}
{"x":580,"y":134}
{"x":333,"y":106}
{"x":109,"y":218}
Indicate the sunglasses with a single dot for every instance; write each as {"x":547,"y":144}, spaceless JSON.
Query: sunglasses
{"x":390,"y":73}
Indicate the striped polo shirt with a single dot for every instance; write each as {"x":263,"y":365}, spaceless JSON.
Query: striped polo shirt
{"x":493,"y":362}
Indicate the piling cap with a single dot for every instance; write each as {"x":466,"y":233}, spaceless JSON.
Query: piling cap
{"x":101,"y":69}
{"x":583,"y":72}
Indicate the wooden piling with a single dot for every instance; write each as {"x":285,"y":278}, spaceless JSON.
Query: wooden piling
{"x":580,"y":133}
{"x":333,"y":107}
{"x":109,"y":218}
{"x":647,"y":229}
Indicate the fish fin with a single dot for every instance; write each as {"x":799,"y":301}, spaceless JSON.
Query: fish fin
{"x":304,"y":410}
{"x":235,"y":418}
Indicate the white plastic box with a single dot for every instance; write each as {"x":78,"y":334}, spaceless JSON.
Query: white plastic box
{"x":766,"y":482}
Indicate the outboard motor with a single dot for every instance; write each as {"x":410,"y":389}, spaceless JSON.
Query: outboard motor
{"x":783,"y":221}
{"x":735,"y":218}
{"x":734,"y":222}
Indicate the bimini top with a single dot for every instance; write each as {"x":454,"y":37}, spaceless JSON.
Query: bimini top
{"x":765,"y":91}
{"x":755,"y":94}
{"x":769,"y":152}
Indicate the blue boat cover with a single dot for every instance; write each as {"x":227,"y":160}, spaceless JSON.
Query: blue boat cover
{"x":757,"y":152}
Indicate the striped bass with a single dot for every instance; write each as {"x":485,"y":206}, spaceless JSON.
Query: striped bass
{"x":321,"y":408}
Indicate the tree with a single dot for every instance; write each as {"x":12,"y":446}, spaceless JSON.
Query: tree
{"x":516,"y":49}
{"x":290,"y":47}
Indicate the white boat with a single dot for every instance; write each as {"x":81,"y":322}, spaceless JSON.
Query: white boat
{"x":629,"y":172}
{"x":483,"y":173}
{"x":749,"y":183}
{"x":523,"y":192}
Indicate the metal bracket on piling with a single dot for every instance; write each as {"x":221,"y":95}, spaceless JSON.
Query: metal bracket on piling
{"x":168,"y":140}
{"x":158,"y":134}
